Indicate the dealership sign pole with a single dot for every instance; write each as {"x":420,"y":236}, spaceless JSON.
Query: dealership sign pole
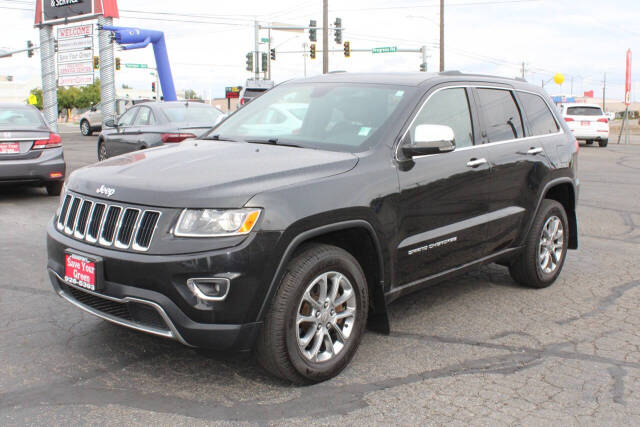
{"x":627,"y":97}
{"x":72,"y":50}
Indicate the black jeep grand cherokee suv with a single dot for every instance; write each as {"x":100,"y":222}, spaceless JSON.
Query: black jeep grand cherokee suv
{"x":297,"y":220}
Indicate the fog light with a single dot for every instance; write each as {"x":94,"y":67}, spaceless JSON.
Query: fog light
{"x":210,"y":289}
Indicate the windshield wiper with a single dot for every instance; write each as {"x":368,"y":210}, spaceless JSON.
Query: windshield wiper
{"x":216,"y":137}
{"x":271,"y":141}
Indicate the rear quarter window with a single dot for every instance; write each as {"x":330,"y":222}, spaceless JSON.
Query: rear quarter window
{"x":540,"y":118}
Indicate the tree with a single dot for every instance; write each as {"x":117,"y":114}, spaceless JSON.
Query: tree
{"x":191,"y":94}
{"x":38,"y":93}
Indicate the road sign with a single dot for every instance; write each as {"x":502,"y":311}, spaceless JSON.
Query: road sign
{"x":627,"y":82}
{"x":67,"y":45}
{"x":136,"y":65}
{"x":264,"y":40}
{"x":75,"y":56}
{"x":74,"y":68}
{"x":385,"y":49}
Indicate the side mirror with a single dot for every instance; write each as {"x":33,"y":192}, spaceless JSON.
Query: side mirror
{"x":430,"y":139}
{"x":94,"y":108}
{"x":110,"y":123}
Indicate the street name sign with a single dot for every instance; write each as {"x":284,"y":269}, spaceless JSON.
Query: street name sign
{"x":136,"y":65}
{"x":385,"y":49}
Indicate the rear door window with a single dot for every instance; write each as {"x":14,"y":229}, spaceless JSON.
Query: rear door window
{"x":502,"y":119}
{"x":143,"y":117}
{"x":540,"y":118}
{"x":127,"y":118}
{"x":584,"y":111}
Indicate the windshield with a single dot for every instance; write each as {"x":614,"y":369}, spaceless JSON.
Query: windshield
{"x":184,"y":114}
{"x":20,"y":116}
{"x":584,"y":111}
{"x":329,"y":116}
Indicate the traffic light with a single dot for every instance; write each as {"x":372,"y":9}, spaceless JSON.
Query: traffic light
{"x":250,"y":61}
{"x":347,"y":49}
{"x":312,"y":51}
{"x":312,"y":31}
{"x":30,"y":51}
{"x":153,"y":87}
{"x":96,"y":62}
{"x":273,"y":54}
{"x":117,"y":64}
{"x":264,"y":62}
{"x":423,"y":67}
{"x":338,"y":31}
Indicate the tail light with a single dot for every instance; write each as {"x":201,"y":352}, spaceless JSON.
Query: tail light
{"x":603,"y":120}
{"x":176,"y":137}
{"x":54,"y":141}
{"x":568,"y":119}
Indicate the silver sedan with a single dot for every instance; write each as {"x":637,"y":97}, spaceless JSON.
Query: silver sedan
{"x":30,"y":152}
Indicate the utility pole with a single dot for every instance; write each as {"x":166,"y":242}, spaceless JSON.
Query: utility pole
{"x":604,"y":93}
{"x":256,"y":53}
{"x":269,"y":52}
{"x":523,"y":69}
{"x":305,"y":49}
{"x":441,"y":35}
{"x":424,"y":57}
{"x":572,"y":86}
{"x":325,"y":36}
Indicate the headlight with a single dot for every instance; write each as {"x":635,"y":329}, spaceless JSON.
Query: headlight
{"x":216,"y":223}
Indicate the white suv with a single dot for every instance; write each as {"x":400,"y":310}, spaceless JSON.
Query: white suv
{"x":587,"y":122}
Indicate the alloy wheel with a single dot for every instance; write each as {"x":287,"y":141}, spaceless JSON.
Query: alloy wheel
{"x":325,"y":317}
{"x":551,"y":245}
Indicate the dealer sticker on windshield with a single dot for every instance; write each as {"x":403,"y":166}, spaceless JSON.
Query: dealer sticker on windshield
{"x":364,"y":131}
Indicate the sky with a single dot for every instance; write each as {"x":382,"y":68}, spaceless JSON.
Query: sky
{"x":208,"y":40}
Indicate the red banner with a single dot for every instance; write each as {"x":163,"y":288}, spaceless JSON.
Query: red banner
{"x":588,"y":94}
{"x":627,"y":82}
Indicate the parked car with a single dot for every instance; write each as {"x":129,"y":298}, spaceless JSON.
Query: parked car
{"x":155,"y":123}
{"x":30,"y":152}
{"x":253,"y":89}
{"x":282,"y":117}
{"x":91,"y":121}
{"x":291,"y":242}
{"x":587,"y":122}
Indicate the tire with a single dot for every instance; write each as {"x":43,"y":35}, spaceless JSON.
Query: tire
{"x":527,"y":268}
{"x":279,"y":348}
{"x":589,"y":142}
{"x":603,"y":142}
{"x":54,"y":188}
{"x":85,"y":128}
{"x":102,"y":151}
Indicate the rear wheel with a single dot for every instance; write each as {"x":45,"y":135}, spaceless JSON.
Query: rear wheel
{"x":85,"y":128}
{"x":54,"y":188}
{"x":102,"y":151}
{"x":317,"y":318}
{"x":541,"y":260}
{"x":603,"y":142}
{"x":589,"y":142}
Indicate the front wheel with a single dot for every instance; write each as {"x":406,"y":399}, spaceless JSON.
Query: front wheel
{"x":542,"y":258}
{"x":85,"y":128}
{"x":54,"y":188}
{"x":102,"y":151}
{"x":603,"y":142}
{"x":317,"y":318}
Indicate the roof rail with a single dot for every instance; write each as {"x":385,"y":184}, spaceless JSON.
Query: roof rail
{"x":451,"y":73}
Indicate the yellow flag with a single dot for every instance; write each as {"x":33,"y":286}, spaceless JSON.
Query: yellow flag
{"x":33,"y":100}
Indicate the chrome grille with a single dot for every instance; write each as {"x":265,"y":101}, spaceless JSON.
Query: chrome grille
{"x":106,"y":224}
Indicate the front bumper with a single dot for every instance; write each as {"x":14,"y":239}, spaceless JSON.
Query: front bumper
{"x":36,"y":169}
{"x":149,"y":292}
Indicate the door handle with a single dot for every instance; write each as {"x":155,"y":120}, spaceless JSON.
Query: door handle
{"x":534,"y":150}
{"x":474,"y":163}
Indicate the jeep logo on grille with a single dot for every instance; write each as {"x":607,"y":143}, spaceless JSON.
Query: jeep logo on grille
{"x":107,"y":191}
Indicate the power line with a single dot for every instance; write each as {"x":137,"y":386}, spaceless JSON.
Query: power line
{"x":479,"y":3}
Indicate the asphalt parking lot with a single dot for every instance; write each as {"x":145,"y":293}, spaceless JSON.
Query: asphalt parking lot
{"x":475,"y":350}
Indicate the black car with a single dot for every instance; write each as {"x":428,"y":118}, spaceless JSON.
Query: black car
{"x":290,"y":241}
{"x":152,"y":124}
{"x":31,"y":152}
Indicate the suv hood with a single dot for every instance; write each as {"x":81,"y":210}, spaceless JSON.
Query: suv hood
{"x":205,"y":174}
